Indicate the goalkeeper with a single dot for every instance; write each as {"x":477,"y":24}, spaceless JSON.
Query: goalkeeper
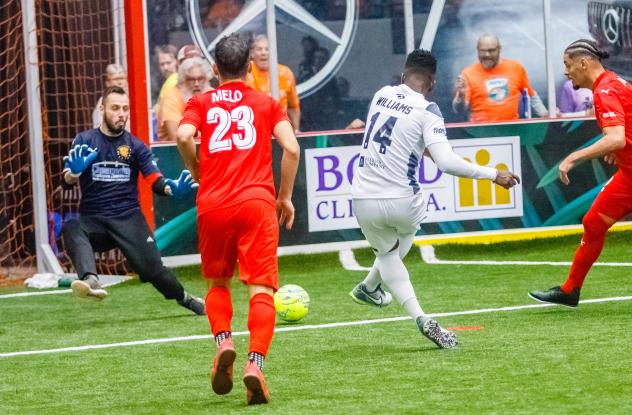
{"x":106,"y":162}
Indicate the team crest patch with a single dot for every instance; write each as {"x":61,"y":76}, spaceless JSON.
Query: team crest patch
{"x":124,"y":152}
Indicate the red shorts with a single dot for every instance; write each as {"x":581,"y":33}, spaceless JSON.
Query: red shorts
{"x":615,"y":199}
{"x":248,"y":233}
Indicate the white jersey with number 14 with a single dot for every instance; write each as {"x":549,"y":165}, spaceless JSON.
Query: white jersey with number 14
{"x":400,"y":125}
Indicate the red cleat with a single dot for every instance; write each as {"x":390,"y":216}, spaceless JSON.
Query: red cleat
{"x":256,"y":391}
{"x":222,"y":374}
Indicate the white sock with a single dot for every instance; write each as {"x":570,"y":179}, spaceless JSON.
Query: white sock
{"x":395,"y":275}
{"x":373,"y":278}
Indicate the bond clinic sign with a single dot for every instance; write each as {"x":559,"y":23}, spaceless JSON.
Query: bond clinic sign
{"x":329,"y":173}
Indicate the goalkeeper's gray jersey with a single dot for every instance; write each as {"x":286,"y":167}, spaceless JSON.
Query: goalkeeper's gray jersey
{"x":400,"y":125}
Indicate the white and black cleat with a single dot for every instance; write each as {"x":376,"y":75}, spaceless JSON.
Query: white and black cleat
{"x":376,"y":298}
{"x":443,"y":338}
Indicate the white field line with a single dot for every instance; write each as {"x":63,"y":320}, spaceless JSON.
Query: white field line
{"x":108,"y":281}
{"x":348,"y":261}
{"x":428,"y":256}
{"x":296,"y":328}
{"x":31,"y":293}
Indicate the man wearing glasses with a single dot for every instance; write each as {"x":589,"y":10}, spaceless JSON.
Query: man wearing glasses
{"x":194,"y":76}
{"x":490,"y":90}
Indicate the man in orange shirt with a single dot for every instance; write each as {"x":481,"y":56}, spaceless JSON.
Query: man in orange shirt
{"x":491,"y":89}
{"x":194,"y":76}
{"x":259,"y":79}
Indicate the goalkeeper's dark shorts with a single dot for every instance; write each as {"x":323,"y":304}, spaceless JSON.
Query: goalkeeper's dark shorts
{"x":129,"y":233}
{"x":248,"y":233}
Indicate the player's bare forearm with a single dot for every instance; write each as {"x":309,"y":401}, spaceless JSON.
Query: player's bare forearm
{"x":295,"y":118}
{"x":186,"y":147}
{"x":171,"y":128}
{"x":285,"y":137}
{"x":289,"y":167}
{"x":613,"y":140}
{"x":69,"y":178}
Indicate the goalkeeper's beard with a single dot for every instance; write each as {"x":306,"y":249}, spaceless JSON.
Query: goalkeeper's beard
{"x":113,"y":128}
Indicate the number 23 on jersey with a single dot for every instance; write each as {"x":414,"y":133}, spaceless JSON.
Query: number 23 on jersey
{"x":243,"y":136}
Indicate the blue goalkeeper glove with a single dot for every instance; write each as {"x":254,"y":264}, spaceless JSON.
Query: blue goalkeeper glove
{"x":182,"y":187}
{"x":79,"y":158}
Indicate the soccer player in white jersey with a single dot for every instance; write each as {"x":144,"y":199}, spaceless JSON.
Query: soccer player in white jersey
{"x":388,"y":202}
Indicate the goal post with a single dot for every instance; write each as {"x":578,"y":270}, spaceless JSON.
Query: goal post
{"x":46,"y":260}
{"x":55,"y":53}
{"x":140,"y":102}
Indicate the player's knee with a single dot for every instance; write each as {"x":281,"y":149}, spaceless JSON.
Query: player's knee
{"x":71,"y":229}
{"x":387,"y":254}
{"x":594,"y":223}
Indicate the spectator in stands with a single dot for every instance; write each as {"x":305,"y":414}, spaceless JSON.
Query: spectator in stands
{"x":168,"y":65}
{"x":188,"y":51}
{"x":194,"y":77}
{"x":490,"y":90}
{"x":306,"y":67}
{"x":575,"y":101}
{"x":319,"y":110}
{"x":115,"y":75}
{"x":259,"y":79}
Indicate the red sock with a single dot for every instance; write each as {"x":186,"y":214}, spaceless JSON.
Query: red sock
{"x":594,"y":237}
{"x":219,"y":309}
{"x":261,"y":322}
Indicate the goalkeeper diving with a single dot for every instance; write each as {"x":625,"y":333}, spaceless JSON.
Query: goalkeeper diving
{"x":106,"y":162}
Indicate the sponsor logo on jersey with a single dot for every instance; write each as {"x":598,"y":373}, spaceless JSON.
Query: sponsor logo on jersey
{"x":605,"y":91}
{"x":124,"y":152}
{"x":111,"y":171}
{"x":371,"y":161}
{"x":610,"y":114}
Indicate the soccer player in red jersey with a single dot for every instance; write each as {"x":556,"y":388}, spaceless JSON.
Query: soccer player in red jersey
{"x":613,"y":109}
{"x":237,"y":210}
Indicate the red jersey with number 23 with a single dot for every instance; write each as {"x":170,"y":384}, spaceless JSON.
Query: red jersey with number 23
{"x":236,"y":124}
{"x":613,"y":106}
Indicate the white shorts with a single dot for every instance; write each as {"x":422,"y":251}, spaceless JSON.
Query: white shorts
{"x":385,"y":221}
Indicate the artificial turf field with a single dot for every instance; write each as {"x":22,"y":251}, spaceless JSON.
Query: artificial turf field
{"x":540,"y":360}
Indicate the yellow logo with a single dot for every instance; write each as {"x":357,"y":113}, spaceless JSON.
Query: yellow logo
{"x":482,"y":192}
{"x":124,"y":152}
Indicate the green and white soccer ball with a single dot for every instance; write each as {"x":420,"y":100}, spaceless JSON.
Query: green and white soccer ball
{"x":291,"y":302}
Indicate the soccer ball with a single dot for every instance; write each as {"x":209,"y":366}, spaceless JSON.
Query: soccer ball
{"x":291,"y":302}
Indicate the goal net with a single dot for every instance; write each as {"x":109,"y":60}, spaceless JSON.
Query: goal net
{"x":75,"y":44}
{"x":17,"y":245}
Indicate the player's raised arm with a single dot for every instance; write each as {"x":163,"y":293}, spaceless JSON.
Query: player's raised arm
{"x":613,"y":140}
{"x":77,"y":161}
{"x":284,"y":134}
